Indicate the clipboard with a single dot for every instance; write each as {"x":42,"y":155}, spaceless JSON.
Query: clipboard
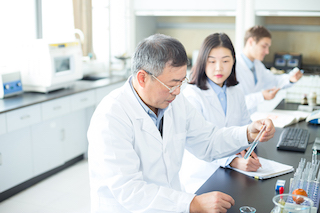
{"x":269,"y":169}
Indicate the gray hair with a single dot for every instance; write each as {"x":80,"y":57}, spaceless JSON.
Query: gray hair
{"x":157,"y":51}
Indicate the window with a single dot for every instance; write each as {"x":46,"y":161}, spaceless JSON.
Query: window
{"x":18,"y":25}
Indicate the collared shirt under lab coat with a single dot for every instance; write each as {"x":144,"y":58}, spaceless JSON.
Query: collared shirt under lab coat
{"x":133,"y":169}
{"x":265,"y":80}
{"x":195,"y":172}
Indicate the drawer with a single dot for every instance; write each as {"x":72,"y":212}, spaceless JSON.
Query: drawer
{"x":3,"y":126}
{"x":55,"y":108}
{"x":23,"y":117}
{"x":82,"y":100}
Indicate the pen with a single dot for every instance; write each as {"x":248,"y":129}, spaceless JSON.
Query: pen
{"x":250,"y":154}
{"x":253,"y":158}
{"x":254,"y":143}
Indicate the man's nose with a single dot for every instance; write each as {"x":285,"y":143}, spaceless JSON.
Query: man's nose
{"x":267,"y":51}
{"x":176,"y":91}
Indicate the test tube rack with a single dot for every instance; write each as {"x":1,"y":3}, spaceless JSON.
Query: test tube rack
{"x":305,"y":178}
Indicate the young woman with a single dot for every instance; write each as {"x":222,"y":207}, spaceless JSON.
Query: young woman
{"x":214,"y":92}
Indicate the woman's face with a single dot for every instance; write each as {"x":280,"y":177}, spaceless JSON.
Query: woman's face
{"x":219,"y":65}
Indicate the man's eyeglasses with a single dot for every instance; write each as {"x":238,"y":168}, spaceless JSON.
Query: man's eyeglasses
{"x":171,"y":89}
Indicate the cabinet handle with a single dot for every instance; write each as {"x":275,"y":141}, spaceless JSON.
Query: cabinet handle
{"x":56,"y":107}
{"x":24,"y":117}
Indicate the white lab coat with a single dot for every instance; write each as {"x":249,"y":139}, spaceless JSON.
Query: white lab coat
{"x":208,"y":104}
{"x":265,"y":80}
{"x":133,"y":169}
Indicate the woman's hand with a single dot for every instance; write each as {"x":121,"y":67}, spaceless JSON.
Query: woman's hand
{"x":252,"y":164}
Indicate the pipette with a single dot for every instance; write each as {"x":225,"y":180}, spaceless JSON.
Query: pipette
{"x":254,"y":143}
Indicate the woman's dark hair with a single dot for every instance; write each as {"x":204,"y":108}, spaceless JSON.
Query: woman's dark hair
{"x":198,"y":74}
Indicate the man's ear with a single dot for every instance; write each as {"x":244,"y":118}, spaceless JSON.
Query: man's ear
{"x":141,"y":78}
{"x":251,"y":41}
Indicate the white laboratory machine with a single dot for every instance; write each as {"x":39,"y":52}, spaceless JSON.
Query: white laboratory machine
{"x":49,"y":66}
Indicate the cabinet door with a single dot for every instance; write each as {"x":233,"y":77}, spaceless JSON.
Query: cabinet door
{"x":75,"y":138}
{"x":15,"y":158}
{"x":3,"y":126}
{"x":47,"y":139}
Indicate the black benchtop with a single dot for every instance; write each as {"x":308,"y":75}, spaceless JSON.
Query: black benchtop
{"x":30,"y":98}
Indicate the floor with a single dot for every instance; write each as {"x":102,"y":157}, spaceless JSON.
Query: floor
{"x":64,"y":192}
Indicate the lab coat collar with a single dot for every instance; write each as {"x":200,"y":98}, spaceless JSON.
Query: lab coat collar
{"x":147,"y":124}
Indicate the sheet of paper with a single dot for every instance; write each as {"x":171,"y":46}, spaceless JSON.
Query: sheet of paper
{"x":281,"y":118}
{"x":269,"y":169}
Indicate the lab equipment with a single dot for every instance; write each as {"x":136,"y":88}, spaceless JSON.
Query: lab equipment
{"x":287,"y":61}
{"x":307,"y":179}
{"x":312,"y":99}
{"x":304,"y":101}
{"x":316,"y":144}
{"x":284,"y":203}
{"x":314,"y":117}
{"x":247,"y":209}
{"x":293,"y":139}
{"x":47,"y":66}
{"x":279,"y":184}
{"x":10,"y":83}
{"x":254,"y":143}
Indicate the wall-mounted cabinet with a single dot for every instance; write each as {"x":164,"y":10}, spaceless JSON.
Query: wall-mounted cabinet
{"x":191,"y":5}
{"x":288,"y":5}
{"x":191,"y":21}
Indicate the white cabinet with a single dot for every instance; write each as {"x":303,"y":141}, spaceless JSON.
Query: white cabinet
{"x":47,"y":146}
{"x":3,"y":126}
{"x":62,"y":136}
{"x":288,"y":5}
{"x":16,"y":165}
{"x":184,"y":5}
{"x":74,"y":141}
{"x":41,"y":137}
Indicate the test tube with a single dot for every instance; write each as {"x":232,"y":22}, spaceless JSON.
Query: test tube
{"x":314,"y":156}
{"x":315,"y":172}
{"x":315,"y":194}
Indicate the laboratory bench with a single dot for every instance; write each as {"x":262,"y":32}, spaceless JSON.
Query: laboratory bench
{"x":247,"y":191}
{"x":43,"y":133}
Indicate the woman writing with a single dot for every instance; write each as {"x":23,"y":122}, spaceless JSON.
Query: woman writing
{"x":214,"y":93}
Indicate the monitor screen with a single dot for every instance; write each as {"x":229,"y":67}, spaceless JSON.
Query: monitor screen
{"x":62,"y":64}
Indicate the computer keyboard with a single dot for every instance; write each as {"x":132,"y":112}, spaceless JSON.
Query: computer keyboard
{"x":293,"y":139}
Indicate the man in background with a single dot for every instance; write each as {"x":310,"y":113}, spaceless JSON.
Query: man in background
{"x":256,"y":81}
